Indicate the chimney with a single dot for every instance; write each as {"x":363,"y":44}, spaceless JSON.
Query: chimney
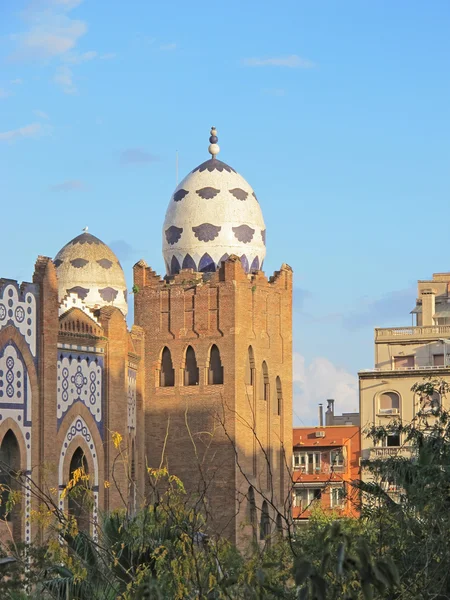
{"x":320,"y":415}
{"x":329,"y":420}
{"x":428,"y":306}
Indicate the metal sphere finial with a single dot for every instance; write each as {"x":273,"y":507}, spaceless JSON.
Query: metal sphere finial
{"x":213,"y":145}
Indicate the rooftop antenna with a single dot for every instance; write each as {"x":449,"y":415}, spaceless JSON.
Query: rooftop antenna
{"x":85,"y":229}
{"x":176,"y":168}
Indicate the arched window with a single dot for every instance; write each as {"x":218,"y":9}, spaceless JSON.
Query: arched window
{"x":264,"y":530}
{"x":132,"y":487}
{"x":250,"y":367}
{"x":279,"y":524}
{"x":190,"y":368}
{"x":428,"y":404}
{"x":278,"y":404}
{"x":167,"y":374}
{"x":265,"y":381}
{"x":79,"y":499}
{"x":9,"y":468}
{"x":389,"y":403}
{"x":215,"y":373}
{"x":252,"y":511}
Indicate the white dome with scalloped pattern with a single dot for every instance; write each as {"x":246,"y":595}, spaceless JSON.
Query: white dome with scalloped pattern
{"x":213,"y":214}
{"x":89,"y":268}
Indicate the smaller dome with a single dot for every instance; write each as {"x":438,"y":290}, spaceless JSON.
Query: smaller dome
{"x":89,"y":268}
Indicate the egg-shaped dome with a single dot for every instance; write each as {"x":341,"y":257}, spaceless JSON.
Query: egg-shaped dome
{"x":212,"y":214}
{"x":89,"y":268}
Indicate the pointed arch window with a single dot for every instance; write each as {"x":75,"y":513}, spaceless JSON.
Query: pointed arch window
{"x":9,"y":469}
{"x":191,"y":368}
{"x":80,"y":501}
{"x":265,"y":382}
{"x":252,"y":511}
{"x":278,"y":404}
{"x":215,"y":372}
{"x":250,"y":367}
{"x":264,"y":531}
{"x":167,"y":373}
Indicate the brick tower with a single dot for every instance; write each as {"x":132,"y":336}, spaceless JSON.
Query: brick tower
{"x":218,"y":355}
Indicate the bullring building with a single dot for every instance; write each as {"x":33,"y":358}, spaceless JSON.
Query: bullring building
{"x":201,"y":382}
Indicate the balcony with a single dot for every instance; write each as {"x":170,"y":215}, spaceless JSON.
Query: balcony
{"x":388,"y":451}
{"x":398,"y":334}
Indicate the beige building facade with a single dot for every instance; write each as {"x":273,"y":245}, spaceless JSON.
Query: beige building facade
{"x":403,"y":357}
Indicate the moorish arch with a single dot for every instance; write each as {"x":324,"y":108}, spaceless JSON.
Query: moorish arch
{"x":19,"y":405}
{"x":79,"y":434}
{"x":13,"y":460}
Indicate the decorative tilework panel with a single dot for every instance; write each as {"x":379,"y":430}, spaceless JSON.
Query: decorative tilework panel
{"x":19,"y":308}
{"x":15,"y":403}
{"x":80,"y":380}
{"x":131,"y":399}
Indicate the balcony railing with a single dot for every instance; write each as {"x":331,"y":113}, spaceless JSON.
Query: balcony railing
{"x":387,"y":451}
{"x":414,"y":368}
{"x":409,"y":333}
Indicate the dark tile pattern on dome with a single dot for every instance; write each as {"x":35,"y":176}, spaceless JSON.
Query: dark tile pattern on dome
{"x":214,"y":165}
{"x":254,"y":196}
{"x":174,"y":265}
{"x":244,"y":233}
{"x":239,"y":193}
{"x":85,"y":238}
{"x":79,"y":263}
{"x":125,"y":295}
{"x":206,"y":232}
{"x":263,"y":235}
{"x":108,"y":294}
{"x":206,"y":264}
{"x":244,"y":262}
{"x":255,"y":264}
{"x":173,"y":234}
{"x":105,"y":263}
{"x":207,"y":193}
{"x":189,"y":263}
{"x":180,"y":194}
{"x":80,"y":291}
{"x":57,"y":262}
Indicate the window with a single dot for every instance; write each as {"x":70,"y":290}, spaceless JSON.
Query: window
{"x":264,"y":532}
{"x":167,"y":373}
{"x":305,"y":497}
{"x":389,"y":403}
{"x":190,"y":368}
{"x":337,"y":461}
{"x":252,"y":510}
{"x":79,"y":500}
{"x":250,"y":367}
{"x":391,"y":441}
{"x":215,"y":373}
{"x":403,"y":362}
{"x":430,"y":403}
{"x":10,"y":461}
{"x":438,"y":360}
{"x":337,"y":497}
{"x":308,"y":462}
{"x":265,"y":381}
{"x":280,"y":525}
{"x":278,"y":404}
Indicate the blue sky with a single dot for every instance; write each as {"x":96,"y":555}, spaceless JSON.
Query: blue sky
{"x":338,"y":114}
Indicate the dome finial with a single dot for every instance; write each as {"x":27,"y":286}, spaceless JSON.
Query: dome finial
{"x":213,"y":146}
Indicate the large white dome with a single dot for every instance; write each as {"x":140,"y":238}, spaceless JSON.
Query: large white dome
{"x":89,"y":268}
{"x":212,"y":214}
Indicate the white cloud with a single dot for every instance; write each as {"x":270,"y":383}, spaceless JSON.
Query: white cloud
{"x":107,"y":56}
{"x":41,"y":114}
{"x":17,"y":81}
{"x":22,"y":132}
{"x":293,"y":61}
{"x":78,"y":59}
{"x":317,"y":381}
{"x":168,"y":47}
{"x":4,"y":93}
{"x":64,"y":78}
